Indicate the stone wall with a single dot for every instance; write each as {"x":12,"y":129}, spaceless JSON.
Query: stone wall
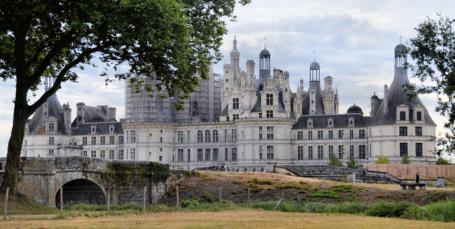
{"x":409,"y":171}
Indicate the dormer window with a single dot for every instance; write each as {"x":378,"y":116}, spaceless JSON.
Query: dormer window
{"x":402,"y":115}
{"x":310,"y":123}
{"x":419,"y":116}
{"x":93,"y":130}
{"x":51,"y":127}
{"x":269,"y":99}
{"x":330,"y":122}
{"x":111,"y":129}
{"x":351,"y":121}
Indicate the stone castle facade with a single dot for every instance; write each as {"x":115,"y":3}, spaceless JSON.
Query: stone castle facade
{"x":243,"y":121}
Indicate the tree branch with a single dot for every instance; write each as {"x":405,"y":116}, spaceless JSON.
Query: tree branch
{"x":61,"y":75}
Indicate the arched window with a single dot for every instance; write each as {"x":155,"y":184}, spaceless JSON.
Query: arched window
{"x":215,"y":135}
{"x":199,"y":136}
{"x":207,"y":136}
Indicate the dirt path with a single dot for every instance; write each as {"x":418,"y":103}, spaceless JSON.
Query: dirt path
{"x":228,"y":219}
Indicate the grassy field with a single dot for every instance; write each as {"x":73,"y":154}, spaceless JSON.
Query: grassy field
{"x":227,"y":219}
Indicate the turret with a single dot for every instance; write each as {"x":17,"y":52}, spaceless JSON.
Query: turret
{"x":67,"y":117}
{"x":374,"y":103}
{"x":264,"y":65}
{"x":81,"y":111}
{"x":235,"y":56}
{"x":111,"y":113}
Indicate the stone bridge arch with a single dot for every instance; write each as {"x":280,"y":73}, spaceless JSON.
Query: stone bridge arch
{"x":78,"y":187}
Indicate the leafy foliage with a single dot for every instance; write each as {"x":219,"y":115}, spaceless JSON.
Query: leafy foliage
{"x":442,"y":161}
{"x":382,"y":160}
{"x":433,"y":50}
{"x":125,"y":173}
{"x":405,"y":159}
{"x":352,"y":163}
{"x":334,"y":161}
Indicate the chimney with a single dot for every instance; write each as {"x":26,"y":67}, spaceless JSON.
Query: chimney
{"x":327,"y":83}
{"x":111,"y":114}
{"x":101,"y":111}
{"x":385,"y":101}
{"x":250,"y":67}
{"x":81,"y":111}
{"x":67,"y":117}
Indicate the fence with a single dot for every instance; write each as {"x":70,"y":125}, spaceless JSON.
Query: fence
{"x":409,"y":171}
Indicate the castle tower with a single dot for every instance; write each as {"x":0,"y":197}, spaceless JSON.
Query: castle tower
{"x":328,"y":96}
{"x":235,"y":56}
{"x":316,"y":106}
{"x":264,"y":66}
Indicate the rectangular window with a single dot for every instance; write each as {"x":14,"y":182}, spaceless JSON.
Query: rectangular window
{"x":299,"y":152}
{"x":161,"y":139}
{"x":419,"y":151}
{"x":320,"y":134}
{"x":299,"y":135}
{"x":351,"y":151}
{"x":340,"y":134}
{"x":362,"y":151}
{"x":234,"y":154}
{"x":215,"y":154}
{"x":310,"y":135}
{"x":269,"y":114}
{"x":133,"y":136}
{"x":84,"y":153}
{"x":103,"y":140}
{"x":180,"y":137}
{"x":200,"y":137}
{"x":207,"y":154}
{"x":102,"y":154}
{"x":351,"y":134}
{"x":418,"y":131}
{"x":260,"y":115}
{"x":269,"y":132}
{"x":234,"y":135}
{"x":402,"y":115}
{"x":189,"y":154}
{"x":341,"y":151}
{"x":179,"y":155}
{"x":235,"y":103}
{"x":200,"y":155}
{"x":419,"y":115}
{"x":93,"y":153}
{"x":361,"y":134}
{"x":260,"y":153}
{"x":51,"y":152}
{"x":188,"y":136}
{"x":330,"y":149}
{"x":235,"y":117}
{"x":160,"y":158}
{"x":226,"y":154}
{"x":133,"y":154}
{"x":120,"y":154}
{"x":84,"y":141}
{"x":403,"y":131}
{"x":51,"y":127}
{"x":269,"y":99}
{"x":51,"y":141}
{"x":310,"y":152}
{"x":403,"y":149}
{"x":111,"y":140}
{"x":111,"y":154}
{"x":93,"y":140}
{"x":320,"y":152}
{"x":330,"y":134}
{"x":215,"y":135}
{"x":270,"y":153}
{"x":225,"y":135}
{"x":260,"y":133}
{"x":120,"y":139}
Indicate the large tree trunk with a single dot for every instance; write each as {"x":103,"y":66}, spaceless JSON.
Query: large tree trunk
{"x":13,"y":158}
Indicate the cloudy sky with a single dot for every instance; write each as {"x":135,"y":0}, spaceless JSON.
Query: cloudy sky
{"x":353,"y":41}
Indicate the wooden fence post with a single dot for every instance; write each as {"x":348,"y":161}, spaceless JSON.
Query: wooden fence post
{"x":5,"y":207}
{"x":61,"y":198}
{"x":219,"y":196}
{"x":248,"y":197}
{"x":145,"y":196}
{"x":108,"y":201}
{"x":177,"y":202}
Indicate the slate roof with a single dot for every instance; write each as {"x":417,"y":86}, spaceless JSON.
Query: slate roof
{"x":101,"y":128}
{"x":91,"y":115}
{"x":55,"y":109}
{"x":339,"y":121}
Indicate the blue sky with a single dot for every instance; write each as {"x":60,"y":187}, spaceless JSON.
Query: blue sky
{"x":353,"y":41}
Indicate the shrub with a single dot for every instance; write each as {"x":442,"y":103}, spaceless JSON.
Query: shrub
{"x":185,"y":203}
{"x":254,"y":188}
{"x":351,"y":207}
{"x":236,"y":181}
{"x":416,"y":212}
{"x":387,"y":209}
{"x":288,"y":186}
{"x":334,"y":161}
{"x":260,"y":181}
{"x":405,"y":159}
{"x":352,"y":163}
{"x":442,"y":161}
{"x":324,"y":194}
{"x":341,"y":188}
{"x":442,"y":211}
{"x":382,"y":160}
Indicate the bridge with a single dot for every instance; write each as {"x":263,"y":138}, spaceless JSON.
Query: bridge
{"x":88,"y":180}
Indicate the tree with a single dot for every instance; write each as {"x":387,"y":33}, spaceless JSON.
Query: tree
{"x":334,"y":161}
{"x":167,"y":40}
{"x":352,"y":163}
{"x":433,"y":50}
{"x":405,"y":159}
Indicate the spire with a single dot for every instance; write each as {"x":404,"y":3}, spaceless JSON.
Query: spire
{"x":235,"y":42}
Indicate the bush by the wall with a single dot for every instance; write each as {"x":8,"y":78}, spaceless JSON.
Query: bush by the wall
{"x":382,"y":160}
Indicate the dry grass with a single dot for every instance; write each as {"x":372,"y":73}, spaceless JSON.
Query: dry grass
{"x":228,"y":219}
